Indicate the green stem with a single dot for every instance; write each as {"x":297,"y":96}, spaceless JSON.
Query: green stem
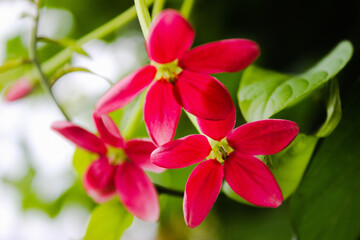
{"x":164,"y":190}
{"x":143,"y":16}
{"x":135,"y":117}
{"x":33,"y":56}
{"x":158,"y":6}
{"x":186,"y":8}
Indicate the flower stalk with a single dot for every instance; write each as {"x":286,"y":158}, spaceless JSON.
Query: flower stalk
{"x":143,"y":16}
{"x":34,"y":58}
{"x":135,"y":117}
{"x":158,"y":6}
{"x":187,"y":7}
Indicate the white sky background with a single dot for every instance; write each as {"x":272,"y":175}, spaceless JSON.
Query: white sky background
{"x":29,"y":120}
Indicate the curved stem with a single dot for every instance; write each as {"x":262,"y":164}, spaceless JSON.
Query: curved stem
{"x":186,"y":8}
{"x":158,"y":6}
{"x":135,"y":117}
{"x":164,"y":190}
{"x":143,"y":16}
{"x":33,"y":56}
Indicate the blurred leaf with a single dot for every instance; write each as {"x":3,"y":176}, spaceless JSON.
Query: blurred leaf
{"x":333,"y":111}
{"x":326,"y":205}
{"x":12,"y":69}
{"x":172,"y":178}
{"x":263,"y":93}
{"x":82,"y":160}
{"x":65,"y":43}
{"x":85,"y":10}
{"x":288,"y":166}
{"x":15,"y":48}
{"x":74,"y":194}
{"x":108,"y":221}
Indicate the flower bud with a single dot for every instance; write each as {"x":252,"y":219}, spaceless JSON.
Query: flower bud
{"x":19,"y":89}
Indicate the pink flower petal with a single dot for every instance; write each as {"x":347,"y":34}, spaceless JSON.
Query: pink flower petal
{"x":18,"y":89}
{"x":108,"y":130}
{"x":161,"y":113}
{"x":81,"y":137}
{"x":136,"y":192}
{"x":99,"y":180}
{"x":217,"y":130}
{"x":139,"y":151}
{"x":252,"y":180}
{"x":230,"y":55}
{"x":125,"y":90}
{"x":201,"y":191}
{"x":182,"y":152}
{"x":264,"y":137}
{"x":203,"y":96}
{"x":170,"y":36}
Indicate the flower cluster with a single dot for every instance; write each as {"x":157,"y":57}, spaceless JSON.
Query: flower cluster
{"x":178,"y":77}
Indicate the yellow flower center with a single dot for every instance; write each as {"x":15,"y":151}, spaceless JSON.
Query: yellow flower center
{"x":168,"y":71}
{"x":220,"y":150}
{"x":116,"y":156}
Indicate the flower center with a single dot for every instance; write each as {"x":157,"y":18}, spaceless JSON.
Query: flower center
{"x":168,"y":71}
{"x":116,"y":156}
{"x":220,"y":150}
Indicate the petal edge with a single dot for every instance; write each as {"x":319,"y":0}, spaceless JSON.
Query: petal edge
{"x":201,"y":191}
{"x":252,"y":180}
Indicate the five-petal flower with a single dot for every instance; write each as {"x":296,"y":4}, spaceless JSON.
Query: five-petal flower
{"x":181,"y":77}
{"x":118,"y":168}
{"x":229,"y":154}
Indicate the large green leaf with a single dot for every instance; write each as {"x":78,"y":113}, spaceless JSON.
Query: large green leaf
{"x":108,"y":221}
{"x":326,"y":205}
{"x":288,"y":166}
{"x":263,"y":93}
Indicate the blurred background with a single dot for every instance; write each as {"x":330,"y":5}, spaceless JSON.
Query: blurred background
{"x":40,"y":194}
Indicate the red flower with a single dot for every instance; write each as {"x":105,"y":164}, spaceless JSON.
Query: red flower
{"x":118,"y":168}
{"x":181,"y":77}
{"x":233,"y":155}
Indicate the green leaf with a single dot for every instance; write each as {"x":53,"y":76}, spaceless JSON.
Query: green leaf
{"x":15,"y":48}
{"x":82,"y":160}
{"x":288,"y":166}
{"x":263,"y":93}
{"x":326,"y":205}
{"x":108,"y":221}
{"x":334,"y":112}
{"x":13,"y":68}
